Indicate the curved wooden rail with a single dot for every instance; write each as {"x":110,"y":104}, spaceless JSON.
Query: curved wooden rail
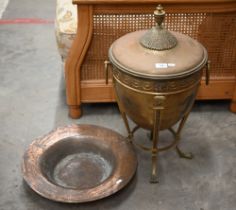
{"x":75,"y":59}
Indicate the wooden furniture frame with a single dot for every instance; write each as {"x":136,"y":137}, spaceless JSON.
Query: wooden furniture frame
{"x":100,"y":22}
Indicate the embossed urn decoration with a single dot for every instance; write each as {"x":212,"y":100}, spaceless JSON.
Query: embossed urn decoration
{"x":156,"y":75}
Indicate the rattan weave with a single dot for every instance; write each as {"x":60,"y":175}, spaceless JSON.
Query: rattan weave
{"x":216,"y":31}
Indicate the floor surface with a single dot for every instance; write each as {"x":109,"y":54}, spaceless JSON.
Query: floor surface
{"x":32,"y":102}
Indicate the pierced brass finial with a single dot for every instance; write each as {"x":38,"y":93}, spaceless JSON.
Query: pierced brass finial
{"x":159,"y":15}
{"x":158,"y":38}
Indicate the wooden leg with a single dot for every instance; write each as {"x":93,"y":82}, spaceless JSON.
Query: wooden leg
{"x":233,"y":102}
{"x":233,"y":106}
{"x":75,"y":59}
{"x":75,"y":112}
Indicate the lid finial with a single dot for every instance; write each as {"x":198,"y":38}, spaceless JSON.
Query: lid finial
{"x":159,"y":15}
{"x":158,"y":38}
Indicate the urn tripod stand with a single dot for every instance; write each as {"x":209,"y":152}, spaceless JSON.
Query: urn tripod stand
{"x":158,"y":106}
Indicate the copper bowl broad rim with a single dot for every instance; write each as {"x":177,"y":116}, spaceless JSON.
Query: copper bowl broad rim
{"x":124,"y":169}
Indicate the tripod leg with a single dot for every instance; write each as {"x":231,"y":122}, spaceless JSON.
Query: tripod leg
{"x":177,"y":136}
{"x":154,"y":177}
{"x":157,"y":111}
{"x":123,"y":114}
{"x":155,"y":139}
{"x":124,"y":117}
{"x":182,"y":154}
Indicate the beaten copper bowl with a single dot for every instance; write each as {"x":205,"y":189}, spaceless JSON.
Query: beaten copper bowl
{"x":79,"y":163}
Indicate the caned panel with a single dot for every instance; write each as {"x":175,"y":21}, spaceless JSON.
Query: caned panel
{"x":216,"y":31}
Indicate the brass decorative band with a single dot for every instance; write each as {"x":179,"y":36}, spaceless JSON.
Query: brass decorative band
{"x":155,"y":85}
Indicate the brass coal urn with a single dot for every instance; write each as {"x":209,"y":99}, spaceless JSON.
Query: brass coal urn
{"x":156,"y":76}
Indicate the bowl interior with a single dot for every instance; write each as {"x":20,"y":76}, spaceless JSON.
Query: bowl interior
{"x":78,"y":162}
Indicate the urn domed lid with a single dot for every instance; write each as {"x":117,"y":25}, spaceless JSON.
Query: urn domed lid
{"x":157,"y":53}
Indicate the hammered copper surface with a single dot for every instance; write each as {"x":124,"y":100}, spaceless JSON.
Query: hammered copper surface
{"x":137,"y":98}
{"x":79,"y":163}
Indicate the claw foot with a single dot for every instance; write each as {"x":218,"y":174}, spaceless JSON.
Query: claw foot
{"x":182,"y":154}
